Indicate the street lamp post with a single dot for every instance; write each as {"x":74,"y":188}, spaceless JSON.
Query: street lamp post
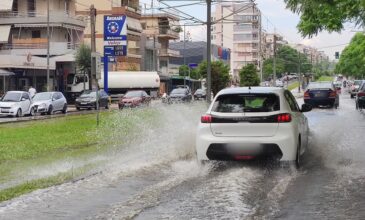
{"x":48,"y":47}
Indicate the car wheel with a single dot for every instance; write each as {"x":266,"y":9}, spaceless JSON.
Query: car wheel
{"x":32,"y":111}
{"x":50,"y":110}
{"x":107,"y":106}
{"x":352,"y":96}
{"x":64,"y":110}
{"x":18,"y":113}
{"x":78,"y":108}
{"x":298,"y":160}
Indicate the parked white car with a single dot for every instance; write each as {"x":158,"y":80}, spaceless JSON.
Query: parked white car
{"x":249,"y":123}
{"x":49,"y":103}
{"x":16,"y":103}
{"x":279,"y":83}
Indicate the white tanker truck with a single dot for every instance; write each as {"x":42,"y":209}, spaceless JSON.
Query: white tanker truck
{"x":118,"y":83}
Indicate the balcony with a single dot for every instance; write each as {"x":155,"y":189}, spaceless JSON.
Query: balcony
{"x":168,"y":33}
{"x":169,"y":53}
{"x":33,"y":19}
{"x":37,"y":47}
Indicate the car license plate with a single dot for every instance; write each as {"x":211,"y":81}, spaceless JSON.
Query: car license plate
{"x":83,"y":103}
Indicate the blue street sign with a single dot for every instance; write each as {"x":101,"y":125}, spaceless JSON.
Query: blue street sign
{"x":193,"y":65}
{"x":115,"y":30}
{"x":109,"y":51}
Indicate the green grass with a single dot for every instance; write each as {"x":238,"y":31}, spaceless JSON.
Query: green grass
{"x":40,"y":143}
{"x":293,"y":86}
{"x":325,"y":79}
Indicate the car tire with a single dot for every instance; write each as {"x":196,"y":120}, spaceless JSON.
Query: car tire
{"x":18,"y":113}
{"x":32,"y":111}
{"x":78,"y":108}
{"x":50,"y":110}
{"x":298,"y":160}
{"x":352,"y":96}
{"x":107,"y":106}
{"x":64,"y":110}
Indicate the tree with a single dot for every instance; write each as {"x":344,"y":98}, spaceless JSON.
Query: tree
{"x":330,"y":15}
{"x":220,"y":75}
{"x":83,"y":61}
{"x":268,"y":67}
{"x":352,"y":60}
{"x":249,"y":76}
{"x":183,"y":70}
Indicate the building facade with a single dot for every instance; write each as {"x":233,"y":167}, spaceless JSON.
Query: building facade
{"x":23,"y":43}
{"x":238,"y":26}
{"x":132,"y":10}
{"x":196,"y":52}
{"x":160,"y":28}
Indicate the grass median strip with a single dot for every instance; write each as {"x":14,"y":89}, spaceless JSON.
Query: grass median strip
{"x":27,"y":146}
{"x":293,"y":86}
{"x":325,"y":79}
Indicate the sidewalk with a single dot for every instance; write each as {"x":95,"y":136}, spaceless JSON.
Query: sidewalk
{"x":297,"y":94}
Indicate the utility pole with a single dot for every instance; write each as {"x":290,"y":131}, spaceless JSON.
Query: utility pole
{"x":154,"y":54}
{"x":93,"y":46}
{"x":300,"y":75}
{"x":48,"y":48}
{"x":274,"y":61}
{"x":184,"y":53}
{"x":209,"y":67}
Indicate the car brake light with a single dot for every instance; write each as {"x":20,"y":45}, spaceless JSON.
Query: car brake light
{"x":333,"y":94}
{"x":206,"y":119}
{"x":284,"y":118}
{"x":306,"y":95}
{"x":361,"y":94}
{"x":244,"y":157}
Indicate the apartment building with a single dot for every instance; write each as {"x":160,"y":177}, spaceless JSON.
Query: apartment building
{"x":161,"y":28}
{"x":238,"y":27}
{"x":314,"y":55}
{"x":132,"y":10}
{"x":268,"y":44}
{"x":23,"y":43}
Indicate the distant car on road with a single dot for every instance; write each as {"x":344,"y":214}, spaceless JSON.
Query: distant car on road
{"x":180,"y":95}
{"x":321,"y":94}
{"x":16,"y":103}
{"x":249,"y":123}
{"x":279,"y":83}
{"x":134,"y":99}
{"x":200,"y":94}
{"x":87,"y":100}
{"x":338,"y":86}
{"x":355,"y":88}
{"x":360,"y":97}
{"x":49,"y":103}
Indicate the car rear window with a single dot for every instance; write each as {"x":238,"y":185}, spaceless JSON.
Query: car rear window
{"x":239,"y":103}
{"x":324,"y":85}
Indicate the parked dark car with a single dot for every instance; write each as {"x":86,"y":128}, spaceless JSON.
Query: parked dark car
{"x":87,"y":100}
{"x":200,"y":94}
{"x":134,"y":98}
{"x":321,"y":94}
{"x":360,"y":97}
{"x":180,"y":95}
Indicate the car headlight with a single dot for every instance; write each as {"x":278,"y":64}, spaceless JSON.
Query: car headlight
{"x":43,"y":105}
{"x":77,"y":100}
{"x":93,"y":100}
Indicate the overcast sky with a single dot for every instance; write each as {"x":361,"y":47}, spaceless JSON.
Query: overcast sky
{"x":284,"y":21}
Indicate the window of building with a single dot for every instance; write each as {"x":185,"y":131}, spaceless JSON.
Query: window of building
{"x":242,"y":27}
{"x":15,"y":6}
{"x":242,"y":37}
{"x":31,"y":7}
{"x":36,"y":34}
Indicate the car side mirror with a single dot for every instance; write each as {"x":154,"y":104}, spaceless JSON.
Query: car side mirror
{"x":306,"y":108}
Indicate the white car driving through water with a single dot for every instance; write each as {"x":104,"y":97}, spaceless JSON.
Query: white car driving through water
{"x":250,"y":123}
{"x":49,"y":103}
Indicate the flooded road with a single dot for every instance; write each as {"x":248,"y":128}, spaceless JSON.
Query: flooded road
{"x":155,"y":176}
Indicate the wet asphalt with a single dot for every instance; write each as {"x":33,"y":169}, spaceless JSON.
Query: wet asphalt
{"x":161,"y":179}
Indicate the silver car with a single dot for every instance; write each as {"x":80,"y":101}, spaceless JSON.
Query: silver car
{"x":49,"y":103}
{"x":15,"y":103}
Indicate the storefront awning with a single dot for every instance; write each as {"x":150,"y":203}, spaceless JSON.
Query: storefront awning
{"x":6,"y":5}
{"x":4,"y":33}
{"x":6,"y":73}
{"x":134,"y":24}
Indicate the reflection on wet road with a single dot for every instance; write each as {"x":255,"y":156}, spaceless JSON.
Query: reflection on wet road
{"x":168,"y":183}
